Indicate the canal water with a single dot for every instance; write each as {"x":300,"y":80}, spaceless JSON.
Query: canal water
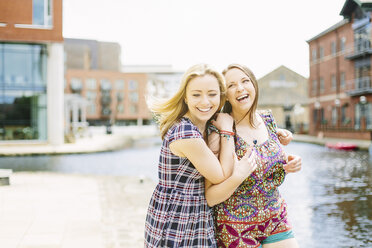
{"x":329,"y":200}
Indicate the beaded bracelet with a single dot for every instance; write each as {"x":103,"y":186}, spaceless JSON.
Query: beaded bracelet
{"x":226,"y":134}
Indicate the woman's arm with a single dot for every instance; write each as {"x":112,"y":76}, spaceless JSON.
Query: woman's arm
{"x":217,"y":193}
{"x":222,"y":145}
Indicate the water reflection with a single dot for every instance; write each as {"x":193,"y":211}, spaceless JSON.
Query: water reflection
{"x":338,"y":195}
{"x":330,"y":199}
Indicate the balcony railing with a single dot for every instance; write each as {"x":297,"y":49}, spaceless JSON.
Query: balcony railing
{"x":359,"y":86}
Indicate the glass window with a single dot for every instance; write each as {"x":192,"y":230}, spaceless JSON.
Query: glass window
{"x":321,"y":85}
{"x":333,"y":48}
{"x":23,"y":113}
{"x":313,"y":54}
{"x":120,"y":96}
{"x":333,"y":82}
{"x":105,"y":84}
{"x":357,"y":116}
{"x":133,"y":96}
{"x":42,"y":12}
{"x":334,"y":116}
{"x":120,"y":108}
{"x":342,"y":80}
{"x":91,"y":83}
{"x":343,"y":114}
{"x":342,"y":44}
{"x":91,"y":97}
{"x":76,"y":85}
{"x":321,"y":52}
{"x":119,"y":84}
{"x":314,"y":87}
{"x":133,"y":85}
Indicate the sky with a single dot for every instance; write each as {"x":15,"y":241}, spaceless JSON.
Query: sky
{"x":261,"y":34}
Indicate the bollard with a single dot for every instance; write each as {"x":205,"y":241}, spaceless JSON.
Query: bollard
{"x":4,"y":177}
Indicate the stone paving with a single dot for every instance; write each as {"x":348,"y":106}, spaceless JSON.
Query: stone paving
{"x":51,"y":210}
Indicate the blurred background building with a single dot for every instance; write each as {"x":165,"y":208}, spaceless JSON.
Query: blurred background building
{"x":31,"y":70}
{"x":340,"y":89}
{"x":285,"y":93}
{"x":100,"y":91}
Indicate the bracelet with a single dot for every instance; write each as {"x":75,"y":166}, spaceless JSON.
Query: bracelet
{"x":226,"y":134}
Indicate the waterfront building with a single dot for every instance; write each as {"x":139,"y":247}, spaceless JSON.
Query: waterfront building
{"x":31,"y":71}
{"x":285,"y":93}
{"x":115,"y":94}
{"x":340,"y":88}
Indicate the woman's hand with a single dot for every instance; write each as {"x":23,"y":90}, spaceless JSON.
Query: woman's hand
{"x":284,"y":136}
{"x":244,"y":167}
{"x":223,"y":121}
{"x":294,"y":164}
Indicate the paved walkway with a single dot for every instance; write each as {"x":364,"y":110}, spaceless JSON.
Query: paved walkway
{"x":49,"y":210}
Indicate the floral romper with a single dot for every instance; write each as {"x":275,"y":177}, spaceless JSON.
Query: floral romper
{"x":256,"y":209}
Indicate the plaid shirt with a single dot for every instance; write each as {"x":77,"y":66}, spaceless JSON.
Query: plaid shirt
{"x":178,"y":214}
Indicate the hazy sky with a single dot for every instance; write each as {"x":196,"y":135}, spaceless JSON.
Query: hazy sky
{"x":262,"y":34}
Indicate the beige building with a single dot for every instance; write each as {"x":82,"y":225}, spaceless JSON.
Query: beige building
{"x":285,"y":93}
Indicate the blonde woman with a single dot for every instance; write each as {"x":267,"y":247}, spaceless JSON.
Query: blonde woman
{"x":251,"y":214}
{"x":178,"y":214}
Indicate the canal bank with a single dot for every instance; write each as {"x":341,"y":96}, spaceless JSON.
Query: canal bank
{"x":363,"y":145}
{"x":112,"y":142}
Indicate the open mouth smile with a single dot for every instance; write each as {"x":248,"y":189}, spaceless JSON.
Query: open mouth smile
{"x":204,"y":110}
{"x":242,"y":97}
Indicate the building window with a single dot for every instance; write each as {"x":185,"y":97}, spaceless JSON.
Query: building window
{"x":76,"y":85}
{"x":333,"y":48}
{"x":334,"y":116}
{"x":342,"y":44}
{"x":133,"y":96}
{"x":361,"y":39}
{"x":91,"y":83}
{"x":342,"y":80}
{"x":313,"y":54}
{"x":42,"y":12}
{"x":344,"y":120}
{"x":91,"y":97}
{"x":321,"y":52}
{"x":333,"y":82}
{"x":119,"y":84}
{"x":120,"y":108}
{"x":314,"y":87}
{"x":321,"y":85}
{"x":120,"y":96}
{"x":23,"y":96}
{"x":105,"y":84}
{"x":133,"y":85}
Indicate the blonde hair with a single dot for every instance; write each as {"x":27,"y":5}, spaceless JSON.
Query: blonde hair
{"x":227,"y":108}
{"x":170,"y":111}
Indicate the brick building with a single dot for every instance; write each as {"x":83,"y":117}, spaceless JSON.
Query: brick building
{"x":340,"y":89}
{"x":31,"y":71}
{"x":115,"y":94}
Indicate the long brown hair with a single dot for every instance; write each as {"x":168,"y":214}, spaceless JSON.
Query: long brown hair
{"x":170,"y":111}
{"x":227,"y":108}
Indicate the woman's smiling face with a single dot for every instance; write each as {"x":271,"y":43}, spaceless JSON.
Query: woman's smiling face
{"x":202,"y":98}
{"x":240,"y":90}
